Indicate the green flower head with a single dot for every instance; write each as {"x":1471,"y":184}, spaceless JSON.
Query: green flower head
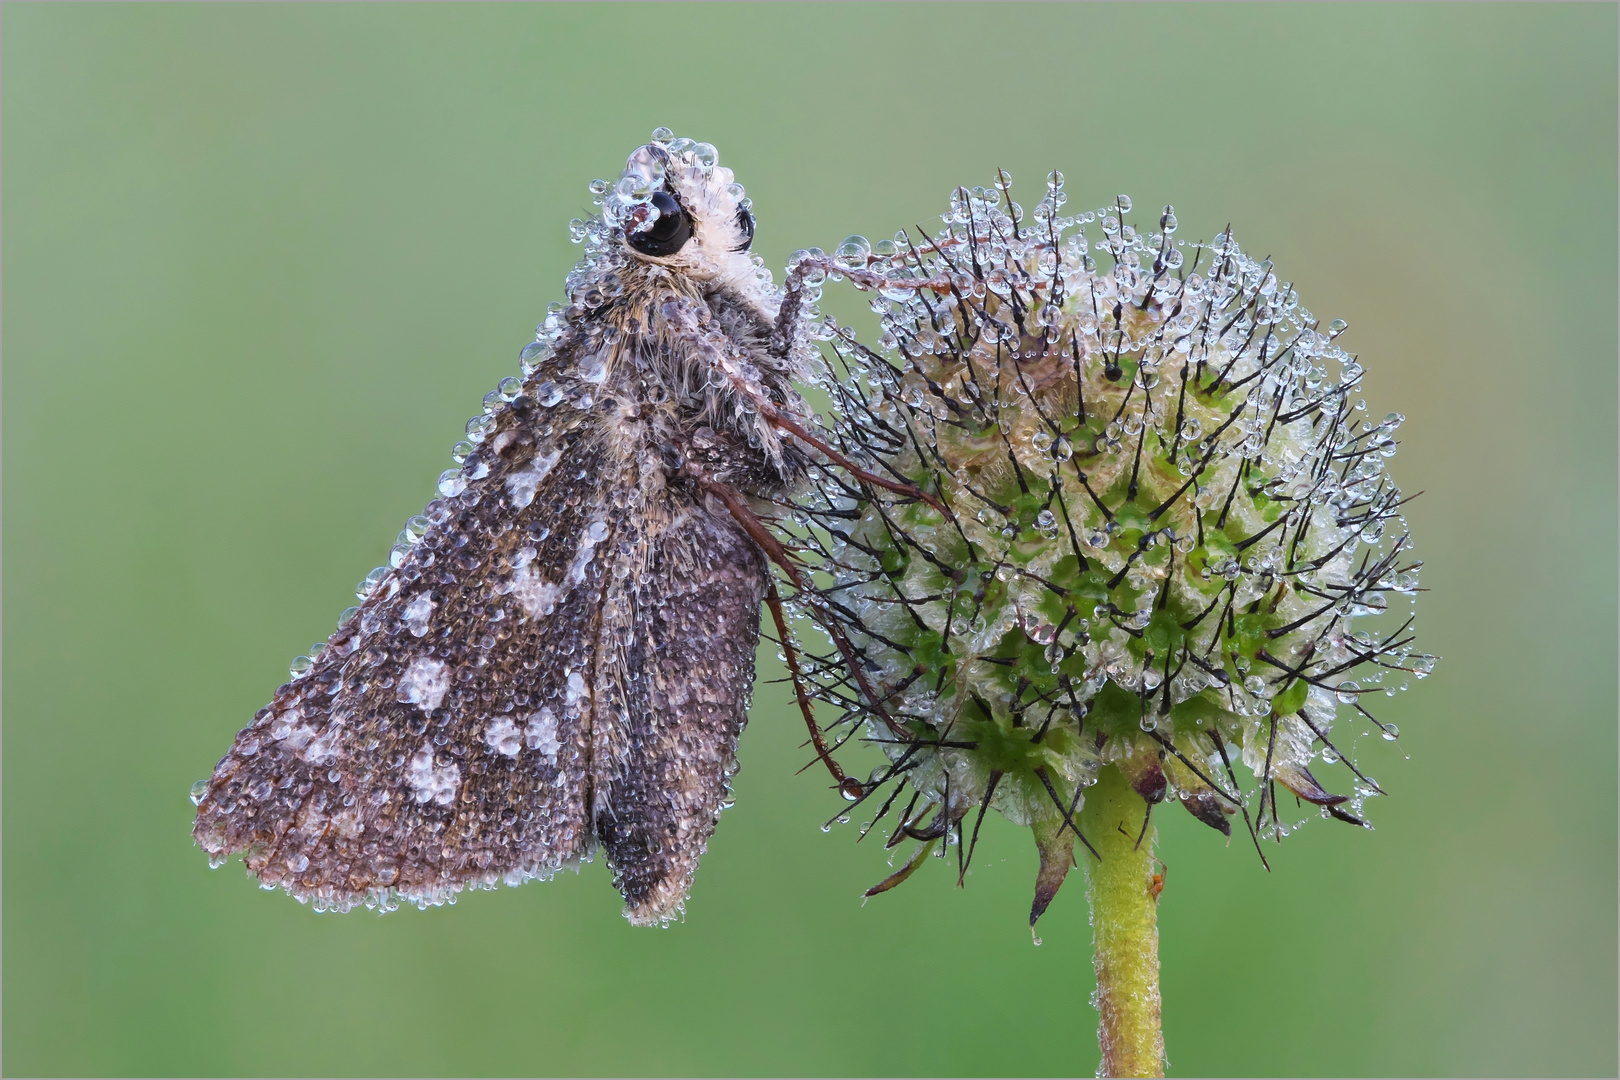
{"x":1139,"y":514}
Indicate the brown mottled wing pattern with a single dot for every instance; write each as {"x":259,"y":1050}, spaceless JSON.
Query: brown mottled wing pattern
{"x":442,"y":737}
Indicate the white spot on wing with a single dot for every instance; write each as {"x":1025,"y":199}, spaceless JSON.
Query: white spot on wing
{"x":428,"y":784}
{"x":425,"y":683}
{"x":541,"y":734}
{"x":521,"y":484}
{"x":537,"y":596}
{"x":417,"y":613}
{"x":322,"y":750}
{"x":298,"y":737}
{"x":575,"y":692}
{"x":348,"y":824}
{"x":595,"y":533}
{"x":503,"y":737}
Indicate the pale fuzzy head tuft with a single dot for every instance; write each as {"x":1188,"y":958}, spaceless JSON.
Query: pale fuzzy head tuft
{"x":716,"y":208}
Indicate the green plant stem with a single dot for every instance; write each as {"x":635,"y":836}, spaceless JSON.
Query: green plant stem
{"x":1125,"y":928}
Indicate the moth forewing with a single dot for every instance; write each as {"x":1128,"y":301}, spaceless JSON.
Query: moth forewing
{"x":435,"y":741}
{"x":560,"y":656}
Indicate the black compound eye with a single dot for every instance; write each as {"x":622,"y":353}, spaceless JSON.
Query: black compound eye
{"x":745,"y":222}
{"x":668,"y":234}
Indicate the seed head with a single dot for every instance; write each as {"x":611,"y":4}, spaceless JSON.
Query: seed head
{"x":1166,"y":517}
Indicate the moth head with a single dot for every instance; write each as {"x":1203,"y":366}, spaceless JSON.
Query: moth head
{"x":676,"y":205}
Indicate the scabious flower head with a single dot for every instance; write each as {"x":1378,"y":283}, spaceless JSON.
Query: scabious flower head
{"x":1166,"y":513}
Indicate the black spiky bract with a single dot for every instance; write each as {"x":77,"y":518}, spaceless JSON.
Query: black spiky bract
{"x":1166,"y":513}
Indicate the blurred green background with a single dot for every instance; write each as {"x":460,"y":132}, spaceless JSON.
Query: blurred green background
{"x":261,"y":262}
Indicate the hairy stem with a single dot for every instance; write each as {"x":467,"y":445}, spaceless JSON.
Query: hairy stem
{"x":1125,"y":928}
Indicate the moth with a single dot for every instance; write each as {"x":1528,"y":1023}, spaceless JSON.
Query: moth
{"x":559,"y":656}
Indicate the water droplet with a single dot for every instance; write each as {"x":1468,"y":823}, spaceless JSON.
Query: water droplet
{"x":1391,"y":732}
{"x":198,"y":791}
{"x":853,"y":251}
{"x":300,"y":666}
{"x":1123,"y":202}
{"x":370,"y":581}
{"x":533,"y":354}
{"x":451,"y":482}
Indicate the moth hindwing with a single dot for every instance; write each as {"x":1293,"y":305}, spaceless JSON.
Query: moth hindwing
{"x":560,"y":654}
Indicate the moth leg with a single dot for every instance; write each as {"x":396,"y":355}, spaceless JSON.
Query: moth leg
{"x":776,"y":553}
{"x":791,"y":425}
{"x":774,"y":602}
{"x":807,"y":272}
